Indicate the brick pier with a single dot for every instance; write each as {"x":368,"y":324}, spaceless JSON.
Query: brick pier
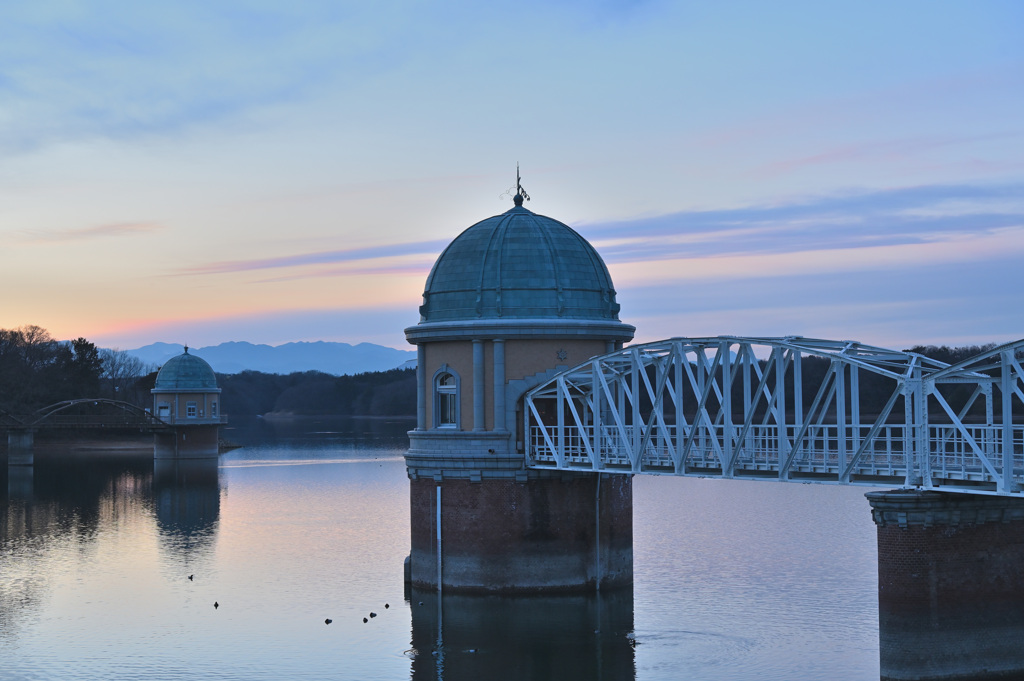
{"x":950,"y":585}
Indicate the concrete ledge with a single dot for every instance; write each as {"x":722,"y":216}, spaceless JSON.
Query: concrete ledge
{"x":461,"y":454}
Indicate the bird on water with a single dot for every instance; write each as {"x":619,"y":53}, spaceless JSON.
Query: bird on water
{"x":216,"y":605}
{"x":328,"y":620}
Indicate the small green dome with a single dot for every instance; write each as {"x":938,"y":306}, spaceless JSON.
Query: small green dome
{"x":186,"y":373}
{"x":519,"y":265}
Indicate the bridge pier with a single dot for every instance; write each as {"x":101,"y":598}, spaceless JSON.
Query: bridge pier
{"x":19,"y":447}
{"x":21,"y":483}
{"x":950,"y":585}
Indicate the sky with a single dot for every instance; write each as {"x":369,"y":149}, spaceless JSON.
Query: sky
{"x":197,"y":172}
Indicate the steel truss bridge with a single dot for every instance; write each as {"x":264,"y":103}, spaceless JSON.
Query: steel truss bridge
{"x":84,"y":413}
{"x":787,"y":409}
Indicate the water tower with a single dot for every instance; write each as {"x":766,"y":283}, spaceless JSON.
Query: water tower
{"x":510,"y":302}
{"x":186,"y":396}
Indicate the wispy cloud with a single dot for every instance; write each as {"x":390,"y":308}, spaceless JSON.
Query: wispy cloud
{"x":895,"y":304}
{"x":319,"y":258}
{"x":879,"y":150}
{"x":109,"y":230}
{"x":847,"y":231}
{"x":388,"y":267}
{"x":855,"y":220}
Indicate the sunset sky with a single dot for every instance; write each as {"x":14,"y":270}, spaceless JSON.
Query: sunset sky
{"x":198,"y":172}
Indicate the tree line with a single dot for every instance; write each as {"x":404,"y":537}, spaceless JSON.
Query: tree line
{"x":376,"y":393}
{"x":37,"y":371}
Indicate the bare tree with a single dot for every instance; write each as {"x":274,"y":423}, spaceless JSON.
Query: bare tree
{"x":122,"y":372}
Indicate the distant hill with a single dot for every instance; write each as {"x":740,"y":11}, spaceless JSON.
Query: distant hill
{"x":331,"y":358}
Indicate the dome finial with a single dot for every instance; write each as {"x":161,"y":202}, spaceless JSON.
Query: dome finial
{"x":186,"y":348}
{"x":520,"y":193}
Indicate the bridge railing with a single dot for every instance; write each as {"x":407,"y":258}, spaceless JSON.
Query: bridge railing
{"x":951,"y":453}
{"x":821,"y":451}
{"x":70,"y":421}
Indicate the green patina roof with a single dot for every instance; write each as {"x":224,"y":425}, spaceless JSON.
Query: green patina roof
{"x":519,"y":265}
{"x":186,"y":373}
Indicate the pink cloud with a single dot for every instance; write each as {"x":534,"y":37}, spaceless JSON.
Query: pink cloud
{"x":112,"y":229}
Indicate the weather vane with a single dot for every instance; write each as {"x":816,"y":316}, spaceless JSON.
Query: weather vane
{"x":519,"y":185}
{"x":520,"y":194}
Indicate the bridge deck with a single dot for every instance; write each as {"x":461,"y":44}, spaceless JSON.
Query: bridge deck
{"x":98,"y":413}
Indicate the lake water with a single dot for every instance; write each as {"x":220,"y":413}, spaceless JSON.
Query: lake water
{"x":733,"y":580}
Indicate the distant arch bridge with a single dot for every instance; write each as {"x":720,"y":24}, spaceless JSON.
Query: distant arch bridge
{"x":787,"y":409}
{"x":88,"y":413}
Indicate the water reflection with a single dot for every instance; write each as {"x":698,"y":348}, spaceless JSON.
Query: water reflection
{"x":74,"y":493}
{"x":186,"y":496}
{"x":561,"y":638}
{"x":20,"y":482}
{"x":972,"y":641}
{"x":63,"y":500}
{"x":71,"y":497}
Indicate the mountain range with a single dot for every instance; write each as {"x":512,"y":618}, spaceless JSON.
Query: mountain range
{"x":328,"y":357}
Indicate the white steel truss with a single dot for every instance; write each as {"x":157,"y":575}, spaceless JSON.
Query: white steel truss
{"x":789,"y":409}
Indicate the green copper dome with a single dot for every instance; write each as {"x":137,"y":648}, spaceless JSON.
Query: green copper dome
{"x":186,"y":373}
{"x":519,"y":265}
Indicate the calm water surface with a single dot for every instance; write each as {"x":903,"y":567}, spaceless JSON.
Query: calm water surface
{"x":733,"y":580}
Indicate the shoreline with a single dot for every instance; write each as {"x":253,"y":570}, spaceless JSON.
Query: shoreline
{"x":284,"y":415}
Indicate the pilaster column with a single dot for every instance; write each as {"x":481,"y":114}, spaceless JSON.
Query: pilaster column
{"x":479,"y":418}
{"x":421,"y":387}
{"x":499,"y":384}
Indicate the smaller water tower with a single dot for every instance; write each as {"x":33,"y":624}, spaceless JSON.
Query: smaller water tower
{"x":186,"y":396}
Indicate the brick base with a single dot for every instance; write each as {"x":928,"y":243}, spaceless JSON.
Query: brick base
{"x":559,"y":533}
{"x":950,"y":585}
{"x":188,"y":442}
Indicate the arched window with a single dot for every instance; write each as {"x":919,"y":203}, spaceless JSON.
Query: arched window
{"x":446,"y":399}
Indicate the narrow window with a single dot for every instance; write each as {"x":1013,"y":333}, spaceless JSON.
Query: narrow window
{"x":447,"y":401}
{"x":213,"y":409}
{"x":190,"y":410}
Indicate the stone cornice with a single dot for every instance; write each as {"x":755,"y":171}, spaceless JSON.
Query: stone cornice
{"x":917,"y":508}
{"x":520,"y":329}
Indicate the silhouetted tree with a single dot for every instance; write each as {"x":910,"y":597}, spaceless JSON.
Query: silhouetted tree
{"x":84,"y":369}
{"x":122,"y":376}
